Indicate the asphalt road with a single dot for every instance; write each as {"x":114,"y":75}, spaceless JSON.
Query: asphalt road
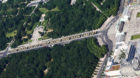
{"x":107,"y":40}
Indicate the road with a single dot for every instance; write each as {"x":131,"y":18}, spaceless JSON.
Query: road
{"x":106,"y":40}
{"x":4,"y":54}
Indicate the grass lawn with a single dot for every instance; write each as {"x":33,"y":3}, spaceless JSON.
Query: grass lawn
{"x":135,"y":37}
{"x":10,"y":10}
{"x":44,"y":37}
{"x":11,"y":34}
{"x":55,"y":9}
{"x":25,"y":42}
{"x":44,"y":23}
{"x":138,"y":14}
{"x":31,"y":31}
{"x":44,"y":10}
{"x":29,"y":40}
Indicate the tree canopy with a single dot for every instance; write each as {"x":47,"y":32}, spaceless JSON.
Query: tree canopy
{"x":74,"y":60}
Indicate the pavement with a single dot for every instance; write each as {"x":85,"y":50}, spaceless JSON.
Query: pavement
{"x":73,"y":2}
{"x":107,"y":40}
{"x":36,"y":35}
{"x":4,"y":53}
{"x":132,"y":24}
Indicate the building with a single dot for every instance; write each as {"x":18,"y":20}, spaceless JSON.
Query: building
{"x":113,"y":72}
{"x":3,"y":1}
{"x":121,"y":25}
{"x":131,"y":67}
{"x":73,"y":2}
{"x":135,"y":1}
{"x":131,"y":53}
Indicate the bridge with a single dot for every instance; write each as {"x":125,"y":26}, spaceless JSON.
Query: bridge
{"x":63,"y":40}
{"x":70,"y":38}
{"x":51,"y":42}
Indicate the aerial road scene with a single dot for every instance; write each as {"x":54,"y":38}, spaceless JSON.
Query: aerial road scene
{"x":69,"y":38}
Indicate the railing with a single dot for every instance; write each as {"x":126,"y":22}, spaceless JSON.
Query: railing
{"x":52,"y":42}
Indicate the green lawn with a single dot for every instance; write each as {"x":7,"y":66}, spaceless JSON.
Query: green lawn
{"x":11,"y":34}
{"x":44,"y":37}
{"x":44,"y":10}
{"x":44,"y":23}
{"x":31,"y":31}
{"x":55,"y":9}
{"x":135,"y":37}
{"x":138,"y":14}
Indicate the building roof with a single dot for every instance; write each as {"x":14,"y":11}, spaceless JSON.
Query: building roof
{"x":113,"y":73}
{"x":115,"y":67}
{"x":131,"y":53}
